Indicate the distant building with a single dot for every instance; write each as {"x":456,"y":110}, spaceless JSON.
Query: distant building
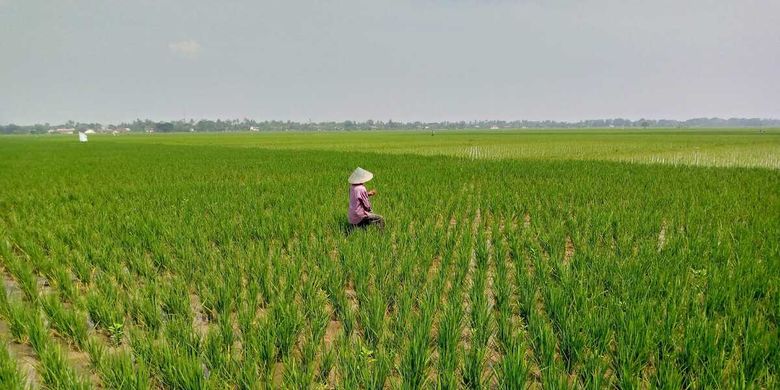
{"x":62,"y":130}
{"x":253,"y":128}
{"x":89,"y":131}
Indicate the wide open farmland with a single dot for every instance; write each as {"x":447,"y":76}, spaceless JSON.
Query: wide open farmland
{"x":224,"y":261}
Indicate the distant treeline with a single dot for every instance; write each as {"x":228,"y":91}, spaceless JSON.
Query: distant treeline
{"x":252,"y":125}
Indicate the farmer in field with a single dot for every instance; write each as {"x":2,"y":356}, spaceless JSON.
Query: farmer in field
{"x":360,"y":213}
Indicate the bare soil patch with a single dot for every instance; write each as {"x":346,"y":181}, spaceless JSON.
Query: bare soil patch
{"x":569,"y":252}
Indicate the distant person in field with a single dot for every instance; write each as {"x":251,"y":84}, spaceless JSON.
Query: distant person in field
{"x":360,"y":212}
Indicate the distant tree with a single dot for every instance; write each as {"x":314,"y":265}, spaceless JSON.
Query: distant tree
{"x":164,"y":127}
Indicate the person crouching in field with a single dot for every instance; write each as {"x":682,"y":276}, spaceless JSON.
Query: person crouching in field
{"x":360,"y":213}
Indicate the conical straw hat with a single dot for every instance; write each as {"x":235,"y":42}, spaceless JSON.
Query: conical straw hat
{"x":360,"y":175}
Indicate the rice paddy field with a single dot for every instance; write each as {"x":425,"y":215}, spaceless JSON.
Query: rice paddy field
{"x":511,"y":259}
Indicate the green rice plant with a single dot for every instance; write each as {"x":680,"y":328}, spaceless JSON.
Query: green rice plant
{"x":5,"y":306}
{"x":217,"y":355}
{"x":259,"y":347}
{"x":513,"y":372}
{"x":55,"y":371}
{"x":416,"y":357}
{"x":19,"y":315}
{"x":62,"y":280}
{"x":174,"y":300}
{"x":144,"y":309}
{"x":217,"y":299}
{"x":543,"y":341}
{"x":360,"y":367}
{"x":10,"y":376}
{"x":473,"y":367}
{"x":631,"y":346}
{"x":176,"y":368}
{"x":668,"y":376}
{"x":381,"y":363}
{"x":182,"y":338}
{"x":104,"y":304}
{"x":121,"y":371}
{"x":296,"y":375}
{"x":28,"y":282}
{"x":96,"y":350}
{"x":247,"y":375}
{"x":82,"y":269}
{"x":37,"y":332}
{"x":327,"y":360}
{"x":372,"y":317}
{"x":69,"y":323}
{"x":450,"y":328}
{"x":287,"y":322}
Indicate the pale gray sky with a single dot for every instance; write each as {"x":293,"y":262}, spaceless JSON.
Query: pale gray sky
{"x":113,"y":60}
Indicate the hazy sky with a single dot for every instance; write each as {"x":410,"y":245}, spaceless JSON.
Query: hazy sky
{"x":114,"y":60}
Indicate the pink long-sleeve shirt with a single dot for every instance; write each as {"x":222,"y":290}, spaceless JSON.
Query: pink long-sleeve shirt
{"x":359,"y":205}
